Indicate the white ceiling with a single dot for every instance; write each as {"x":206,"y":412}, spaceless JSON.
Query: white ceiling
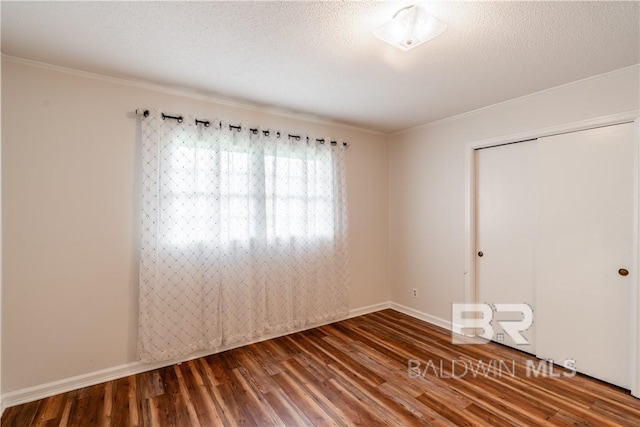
{"x":321,"y":58}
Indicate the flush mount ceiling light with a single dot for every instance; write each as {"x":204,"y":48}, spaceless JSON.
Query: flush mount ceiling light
{"x":410,"y":27}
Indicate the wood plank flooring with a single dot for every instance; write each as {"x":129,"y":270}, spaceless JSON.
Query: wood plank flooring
{"x":353,"y":372}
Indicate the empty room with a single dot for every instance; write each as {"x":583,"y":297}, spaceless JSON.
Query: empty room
{"x":301,"y":213}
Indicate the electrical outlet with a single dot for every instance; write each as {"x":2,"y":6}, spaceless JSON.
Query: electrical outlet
{"x":414,"y":292}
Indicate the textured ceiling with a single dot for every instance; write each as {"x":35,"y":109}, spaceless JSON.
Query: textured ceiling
{"x":320,"y":58}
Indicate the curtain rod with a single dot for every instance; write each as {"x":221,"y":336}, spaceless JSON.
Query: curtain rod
{"x":255,"y":131}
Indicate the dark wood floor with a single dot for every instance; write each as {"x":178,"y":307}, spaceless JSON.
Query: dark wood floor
{"x":353,"y":372}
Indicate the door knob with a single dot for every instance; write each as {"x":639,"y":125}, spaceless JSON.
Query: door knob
{"x":623,"y":272}
{"x":480,"y":254}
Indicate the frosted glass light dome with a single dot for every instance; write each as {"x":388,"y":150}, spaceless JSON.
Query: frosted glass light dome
{"x":410,"y":27}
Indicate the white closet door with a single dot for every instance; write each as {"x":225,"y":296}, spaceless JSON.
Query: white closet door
{"x":585,"y":237}
{"x":505,"y":231}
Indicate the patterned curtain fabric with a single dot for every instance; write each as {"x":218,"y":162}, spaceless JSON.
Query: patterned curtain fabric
{"x":244,"y":234}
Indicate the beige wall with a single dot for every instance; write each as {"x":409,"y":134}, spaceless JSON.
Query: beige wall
{"x":70,"y":192}
{"x":427,"y":181}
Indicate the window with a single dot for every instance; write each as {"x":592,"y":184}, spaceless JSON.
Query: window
{"x":237,"y":193}
{"x":243,"y":234}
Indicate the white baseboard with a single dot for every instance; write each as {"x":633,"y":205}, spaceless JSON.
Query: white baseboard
{"x":41,"y":391}
{"x":368,"y":309}
{"x":30,"y":394}
{"x":434,"y":320}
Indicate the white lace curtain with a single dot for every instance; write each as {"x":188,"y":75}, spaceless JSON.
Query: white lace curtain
{"x":244,"y":233}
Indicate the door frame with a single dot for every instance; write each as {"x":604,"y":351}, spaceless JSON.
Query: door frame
{"x":470,"y":288}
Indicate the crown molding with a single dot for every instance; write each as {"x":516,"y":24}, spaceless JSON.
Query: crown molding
{"x":191,"y":94}
{"x":623,"y":70}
